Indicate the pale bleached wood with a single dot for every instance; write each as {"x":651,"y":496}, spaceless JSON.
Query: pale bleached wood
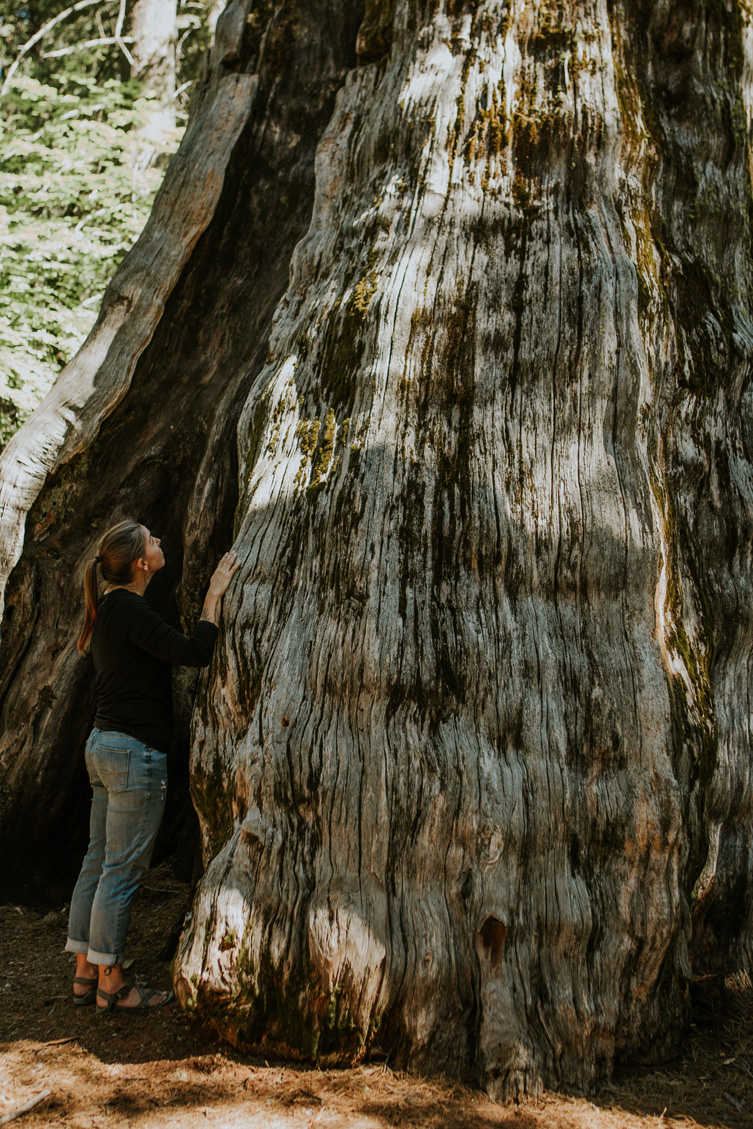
{"x":154,"y":451}
{"x":99,"y":375}
{"x":20,"y":1110}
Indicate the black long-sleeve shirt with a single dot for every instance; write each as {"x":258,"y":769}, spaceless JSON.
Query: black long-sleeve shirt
{"x":134,"y":651}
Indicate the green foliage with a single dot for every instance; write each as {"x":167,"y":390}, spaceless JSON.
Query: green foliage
{"x":18,"y":23}
{"x":78,"y":174}
{"x":196,"y":23}
{"x":74,"y":195}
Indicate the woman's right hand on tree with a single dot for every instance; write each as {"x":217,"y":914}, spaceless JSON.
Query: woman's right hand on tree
{"x":224,"y":573}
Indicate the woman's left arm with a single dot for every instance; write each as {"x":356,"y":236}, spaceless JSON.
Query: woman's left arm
{"x":148,"y":630}
{"x":218,"y":585}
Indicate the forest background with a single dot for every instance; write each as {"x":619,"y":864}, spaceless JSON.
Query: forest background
{"x":93,"y":102}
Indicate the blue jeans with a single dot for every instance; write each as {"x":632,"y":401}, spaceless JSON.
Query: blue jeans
{"x":129,"y":781}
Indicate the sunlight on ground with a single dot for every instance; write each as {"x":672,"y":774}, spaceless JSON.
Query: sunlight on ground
{"x":167,"y":1070}
{"x":86,"y":1093}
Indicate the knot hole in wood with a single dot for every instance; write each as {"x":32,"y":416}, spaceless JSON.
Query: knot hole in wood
{"x":492,"y":934}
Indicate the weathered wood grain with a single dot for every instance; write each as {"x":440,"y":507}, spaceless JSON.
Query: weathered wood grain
{"x":97,"y":378}
{"x":473,"y":760}
{"x":473,"y":724}
{"x":143,"y":420}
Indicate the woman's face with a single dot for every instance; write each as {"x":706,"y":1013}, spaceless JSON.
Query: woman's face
{"x":153,"y":556}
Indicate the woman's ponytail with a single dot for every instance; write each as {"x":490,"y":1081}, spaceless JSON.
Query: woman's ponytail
{"x":91,"y":595}
{"x":123,"y":544}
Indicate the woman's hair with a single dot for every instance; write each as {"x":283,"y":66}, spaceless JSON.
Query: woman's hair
{"x":121,"y":545}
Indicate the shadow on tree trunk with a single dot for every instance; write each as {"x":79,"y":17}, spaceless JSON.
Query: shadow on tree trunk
{"x":455,"y":360}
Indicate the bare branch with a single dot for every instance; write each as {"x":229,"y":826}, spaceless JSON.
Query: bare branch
{"x":120,"y":20}
{"x":81,"y":4}
{"x":25,"y":1107}
{"x":104,"y":41}
{"x":122,"y":45}
{"x":120,"y":39}
{"x":179,"y":45}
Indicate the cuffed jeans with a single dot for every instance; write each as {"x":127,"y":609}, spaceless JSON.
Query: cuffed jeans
{"x":129,"y":781}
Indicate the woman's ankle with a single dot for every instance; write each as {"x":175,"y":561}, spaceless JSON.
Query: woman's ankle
{"x":85,"y":968}
{"x":111,"y":977}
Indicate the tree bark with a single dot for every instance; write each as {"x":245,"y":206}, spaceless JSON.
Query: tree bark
{"x":135,"y":422}
{"x":472,"y":762}
{"x":154,"y":26}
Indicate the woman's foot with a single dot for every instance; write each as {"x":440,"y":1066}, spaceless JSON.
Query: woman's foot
{"x":147,"y":999}
{"x":85,"y":980}
{"x":112,"y":983}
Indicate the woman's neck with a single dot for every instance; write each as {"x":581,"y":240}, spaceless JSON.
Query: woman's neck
{"x":137,"y":586}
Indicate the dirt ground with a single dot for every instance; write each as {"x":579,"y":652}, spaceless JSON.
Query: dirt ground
{"x":165,"y":1070}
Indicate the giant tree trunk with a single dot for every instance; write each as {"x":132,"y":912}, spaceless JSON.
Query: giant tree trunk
{"x":473,"y":760}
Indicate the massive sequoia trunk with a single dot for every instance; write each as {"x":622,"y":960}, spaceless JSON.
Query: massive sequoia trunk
{"x":463,"y":357}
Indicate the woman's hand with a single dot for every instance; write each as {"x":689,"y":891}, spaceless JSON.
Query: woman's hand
{"x":219,"y":584}
{"x":223,"y":574}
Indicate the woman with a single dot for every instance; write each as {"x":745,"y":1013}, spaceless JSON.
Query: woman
{"x":133,"y":651}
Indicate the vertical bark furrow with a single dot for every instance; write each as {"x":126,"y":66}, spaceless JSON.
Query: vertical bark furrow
{"x":143,"y":420}
{"x":473,"y":426}
{"x":698,"y":211}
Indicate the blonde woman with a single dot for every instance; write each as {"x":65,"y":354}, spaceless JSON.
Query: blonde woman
{"x":133,"y":650}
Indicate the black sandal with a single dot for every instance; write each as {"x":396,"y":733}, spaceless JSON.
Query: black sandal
{"x":143,"y":1006}
{"x":87,"y":997}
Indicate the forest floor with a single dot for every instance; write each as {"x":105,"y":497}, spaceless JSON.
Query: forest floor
{"x":164,"y":1070}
